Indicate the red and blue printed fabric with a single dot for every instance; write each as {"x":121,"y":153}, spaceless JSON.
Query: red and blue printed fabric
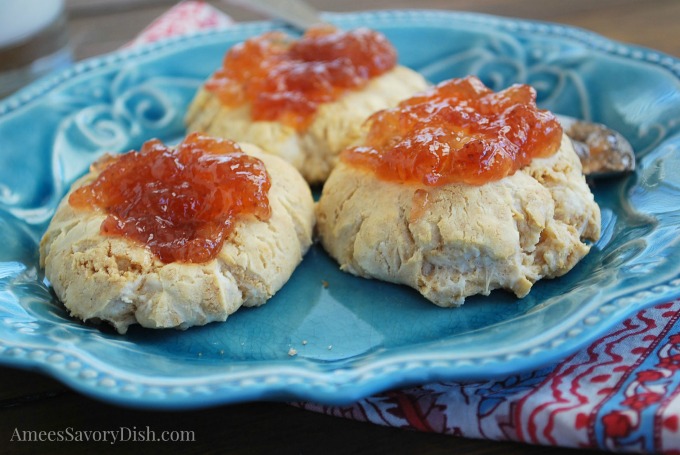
{"x":621,"y":393}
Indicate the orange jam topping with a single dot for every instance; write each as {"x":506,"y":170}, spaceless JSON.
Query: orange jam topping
{"x":459,"y":131}
{"x":180,"y":202}
{"x":286,"y":80}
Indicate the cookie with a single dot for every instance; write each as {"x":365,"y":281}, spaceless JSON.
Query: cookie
{"x":324,"y":91}
{"x":455,"y":239}
{"x":104,"y":277}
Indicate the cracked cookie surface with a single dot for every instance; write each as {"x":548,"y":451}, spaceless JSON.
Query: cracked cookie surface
{"x":107,"y":278}
{"x":315,"y":150}
{"x":457,"y":240}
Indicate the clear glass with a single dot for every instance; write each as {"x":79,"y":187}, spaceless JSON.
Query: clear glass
{"x":33,"y":41}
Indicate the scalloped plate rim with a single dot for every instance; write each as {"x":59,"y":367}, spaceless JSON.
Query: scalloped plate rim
{"x":334,"y":386}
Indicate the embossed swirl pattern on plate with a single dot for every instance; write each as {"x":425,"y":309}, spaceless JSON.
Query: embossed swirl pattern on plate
{"x":381,"y":336}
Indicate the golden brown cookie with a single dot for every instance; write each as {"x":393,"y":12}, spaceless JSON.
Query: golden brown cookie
{"x":111,"y":278}
{"x":326,"y":84}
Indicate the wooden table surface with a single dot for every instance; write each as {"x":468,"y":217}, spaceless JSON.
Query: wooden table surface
{"x":31,"y":401}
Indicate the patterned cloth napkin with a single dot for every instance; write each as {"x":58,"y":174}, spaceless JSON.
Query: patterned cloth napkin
{"x":621,"y":393}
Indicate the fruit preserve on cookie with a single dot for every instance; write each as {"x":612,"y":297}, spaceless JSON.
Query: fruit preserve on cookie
{"x":181,"y":202}
{"x":459,"y":131}
{"x":286,"y":80}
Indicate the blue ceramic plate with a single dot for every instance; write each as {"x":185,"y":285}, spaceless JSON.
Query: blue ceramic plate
{"x":353,"y":337}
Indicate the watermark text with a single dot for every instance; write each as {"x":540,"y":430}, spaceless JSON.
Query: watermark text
{"x":120,"y":434}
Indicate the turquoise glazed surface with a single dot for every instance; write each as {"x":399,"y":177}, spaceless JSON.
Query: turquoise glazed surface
{"x":353,"y":337}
